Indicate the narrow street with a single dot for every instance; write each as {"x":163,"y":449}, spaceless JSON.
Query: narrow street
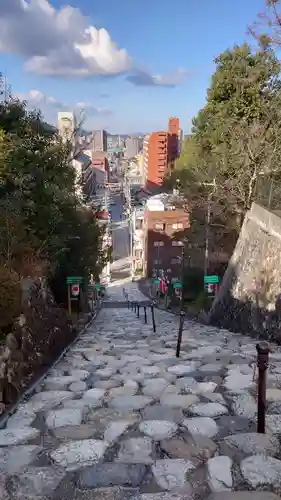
{"x":120,"y":417}
{"x":120,"y":268}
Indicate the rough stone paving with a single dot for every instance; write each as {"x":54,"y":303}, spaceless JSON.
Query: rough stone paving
{"x":120,"y":417}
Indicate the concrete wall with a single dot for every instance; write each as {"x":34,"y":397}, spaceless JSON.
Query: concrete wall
{"x":249,"y":299}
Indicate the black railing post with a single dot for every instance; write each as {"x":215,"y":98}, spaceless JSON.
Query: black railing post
{"x":145,"y":316}
{"x":132,"y":305}
{"x":263,"y":350}
{"x":182,"y":314}
{"x":138,"y":307}
{"x":152,"y":316}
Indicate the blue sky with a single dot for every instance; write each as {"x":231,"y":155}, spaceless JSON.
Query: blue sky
{"x":168,"y":46}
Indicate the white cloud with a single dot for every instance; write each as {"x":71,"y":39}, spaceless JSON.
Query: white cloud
{"x":36,"y":98}
{"x":58,"y":42}
{"x":62,"y":43}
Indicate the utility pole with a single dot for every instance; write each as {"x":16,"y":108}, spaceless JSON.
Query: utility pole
{"x":207,"y":225}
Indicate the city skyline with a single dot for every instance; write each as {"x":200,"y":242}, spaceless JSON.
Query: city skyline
{"x":95,"y":58}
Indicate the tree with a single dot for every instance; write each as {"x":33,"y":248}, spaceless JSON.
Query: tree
{"x":235,"y":143}
{"x":40,"y":214}
{"x":236,"y":135}
{"x":267,"y":29}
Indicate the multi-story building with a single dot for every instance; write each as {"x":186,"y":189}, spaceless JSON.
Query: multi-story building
{"x":157,"y":159}
{"x":99,"y":141}
{"x":145,"y":156}
{"x":85,"y":180}
{"x":140,"y":162}
{"x":163,"y":228}
{"x":174,"y":132}
{"x":160,"y":151}
{"x":137,"y":241}
{"x":100,"y":170}
{"x":66,"y":125}
{"x":132,"y":147}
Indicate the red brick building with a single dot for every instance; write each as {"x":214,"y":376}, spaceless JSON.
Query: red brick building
{"x":101,"y":169}
{"x":160,"y":153}
{"x":173,"y":140}
{"x":157,"y":159}
{"x":163,"y":227}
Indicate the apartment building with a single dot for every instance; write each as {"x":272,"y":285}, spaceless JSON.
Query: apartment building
{"x":163,"y":226}
{"x":174,"y":132}
{"x":160,"y":151}
{"x":66,"y":125}
{"x":138,"y":253}
{"x":99,"y":141}
{"x":100,"y":169}
{"x":85,"y":179}
{"x":132,"y":147}
{"x":157,"y":159}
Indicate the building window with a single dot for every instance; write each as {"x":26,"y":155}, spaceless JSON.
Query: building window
{"x":157,"y":262}
{"x":159,"y":226}
{"x":158,"y":243}
{"x":177,"y":225}
{"x":176,"y":243}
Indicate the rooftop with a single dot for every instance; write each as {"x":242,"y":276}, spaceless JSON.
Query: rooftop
{"x":82,"y":158}
{"x":163,"y":201}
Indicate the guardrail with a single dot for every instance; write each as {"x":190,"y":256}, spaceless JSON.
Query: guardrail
{"x":136,"y":306}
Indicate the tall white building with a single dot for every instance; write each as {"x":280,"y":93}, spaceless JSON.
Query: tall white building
{"x":66,"y":125}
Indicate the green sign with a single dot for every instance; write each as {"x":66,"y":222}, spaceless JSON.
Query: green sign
{"x":156,"y":281}
{"x":209,"y":280}
{"x":177,"y":285}
{"x":94,"y":286}
{"x":70,"y":280}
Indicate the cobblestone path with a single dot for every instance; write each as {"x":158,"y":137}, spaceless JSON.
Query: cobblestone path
{"x":120,"y":417}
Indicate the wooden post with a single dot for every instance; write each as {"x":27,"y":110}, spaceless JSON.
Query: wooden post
{"x":180,"y":334}
{"x":263,"y":350}
{"x":69,"y":299}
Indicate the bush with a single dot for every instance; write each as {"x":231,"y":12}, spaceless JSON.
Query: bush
{"x":10,"y":298}
{"x":193,"y":281}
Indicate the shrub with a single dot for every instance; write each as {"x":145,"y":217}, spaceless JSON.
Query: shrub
{"x":10,"y":298}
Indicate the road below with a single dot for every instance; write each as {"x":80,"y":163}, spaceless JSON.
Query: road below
{"x":120,"y":268}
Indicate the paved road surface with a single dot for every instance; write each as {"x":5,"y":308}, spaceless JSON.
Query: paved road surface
{"x":121,"y":418}
{"x":120,"y":243}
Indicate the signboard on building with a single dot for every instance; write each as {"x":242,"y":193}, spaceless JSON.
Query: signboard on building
{"x":211,"y":279}
{"x":74,"y":280}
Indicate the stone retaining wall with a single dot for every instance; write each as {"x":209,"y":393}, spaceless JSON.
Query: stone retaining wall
{"x":37,"y":338}
{"x":249,"y":299}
